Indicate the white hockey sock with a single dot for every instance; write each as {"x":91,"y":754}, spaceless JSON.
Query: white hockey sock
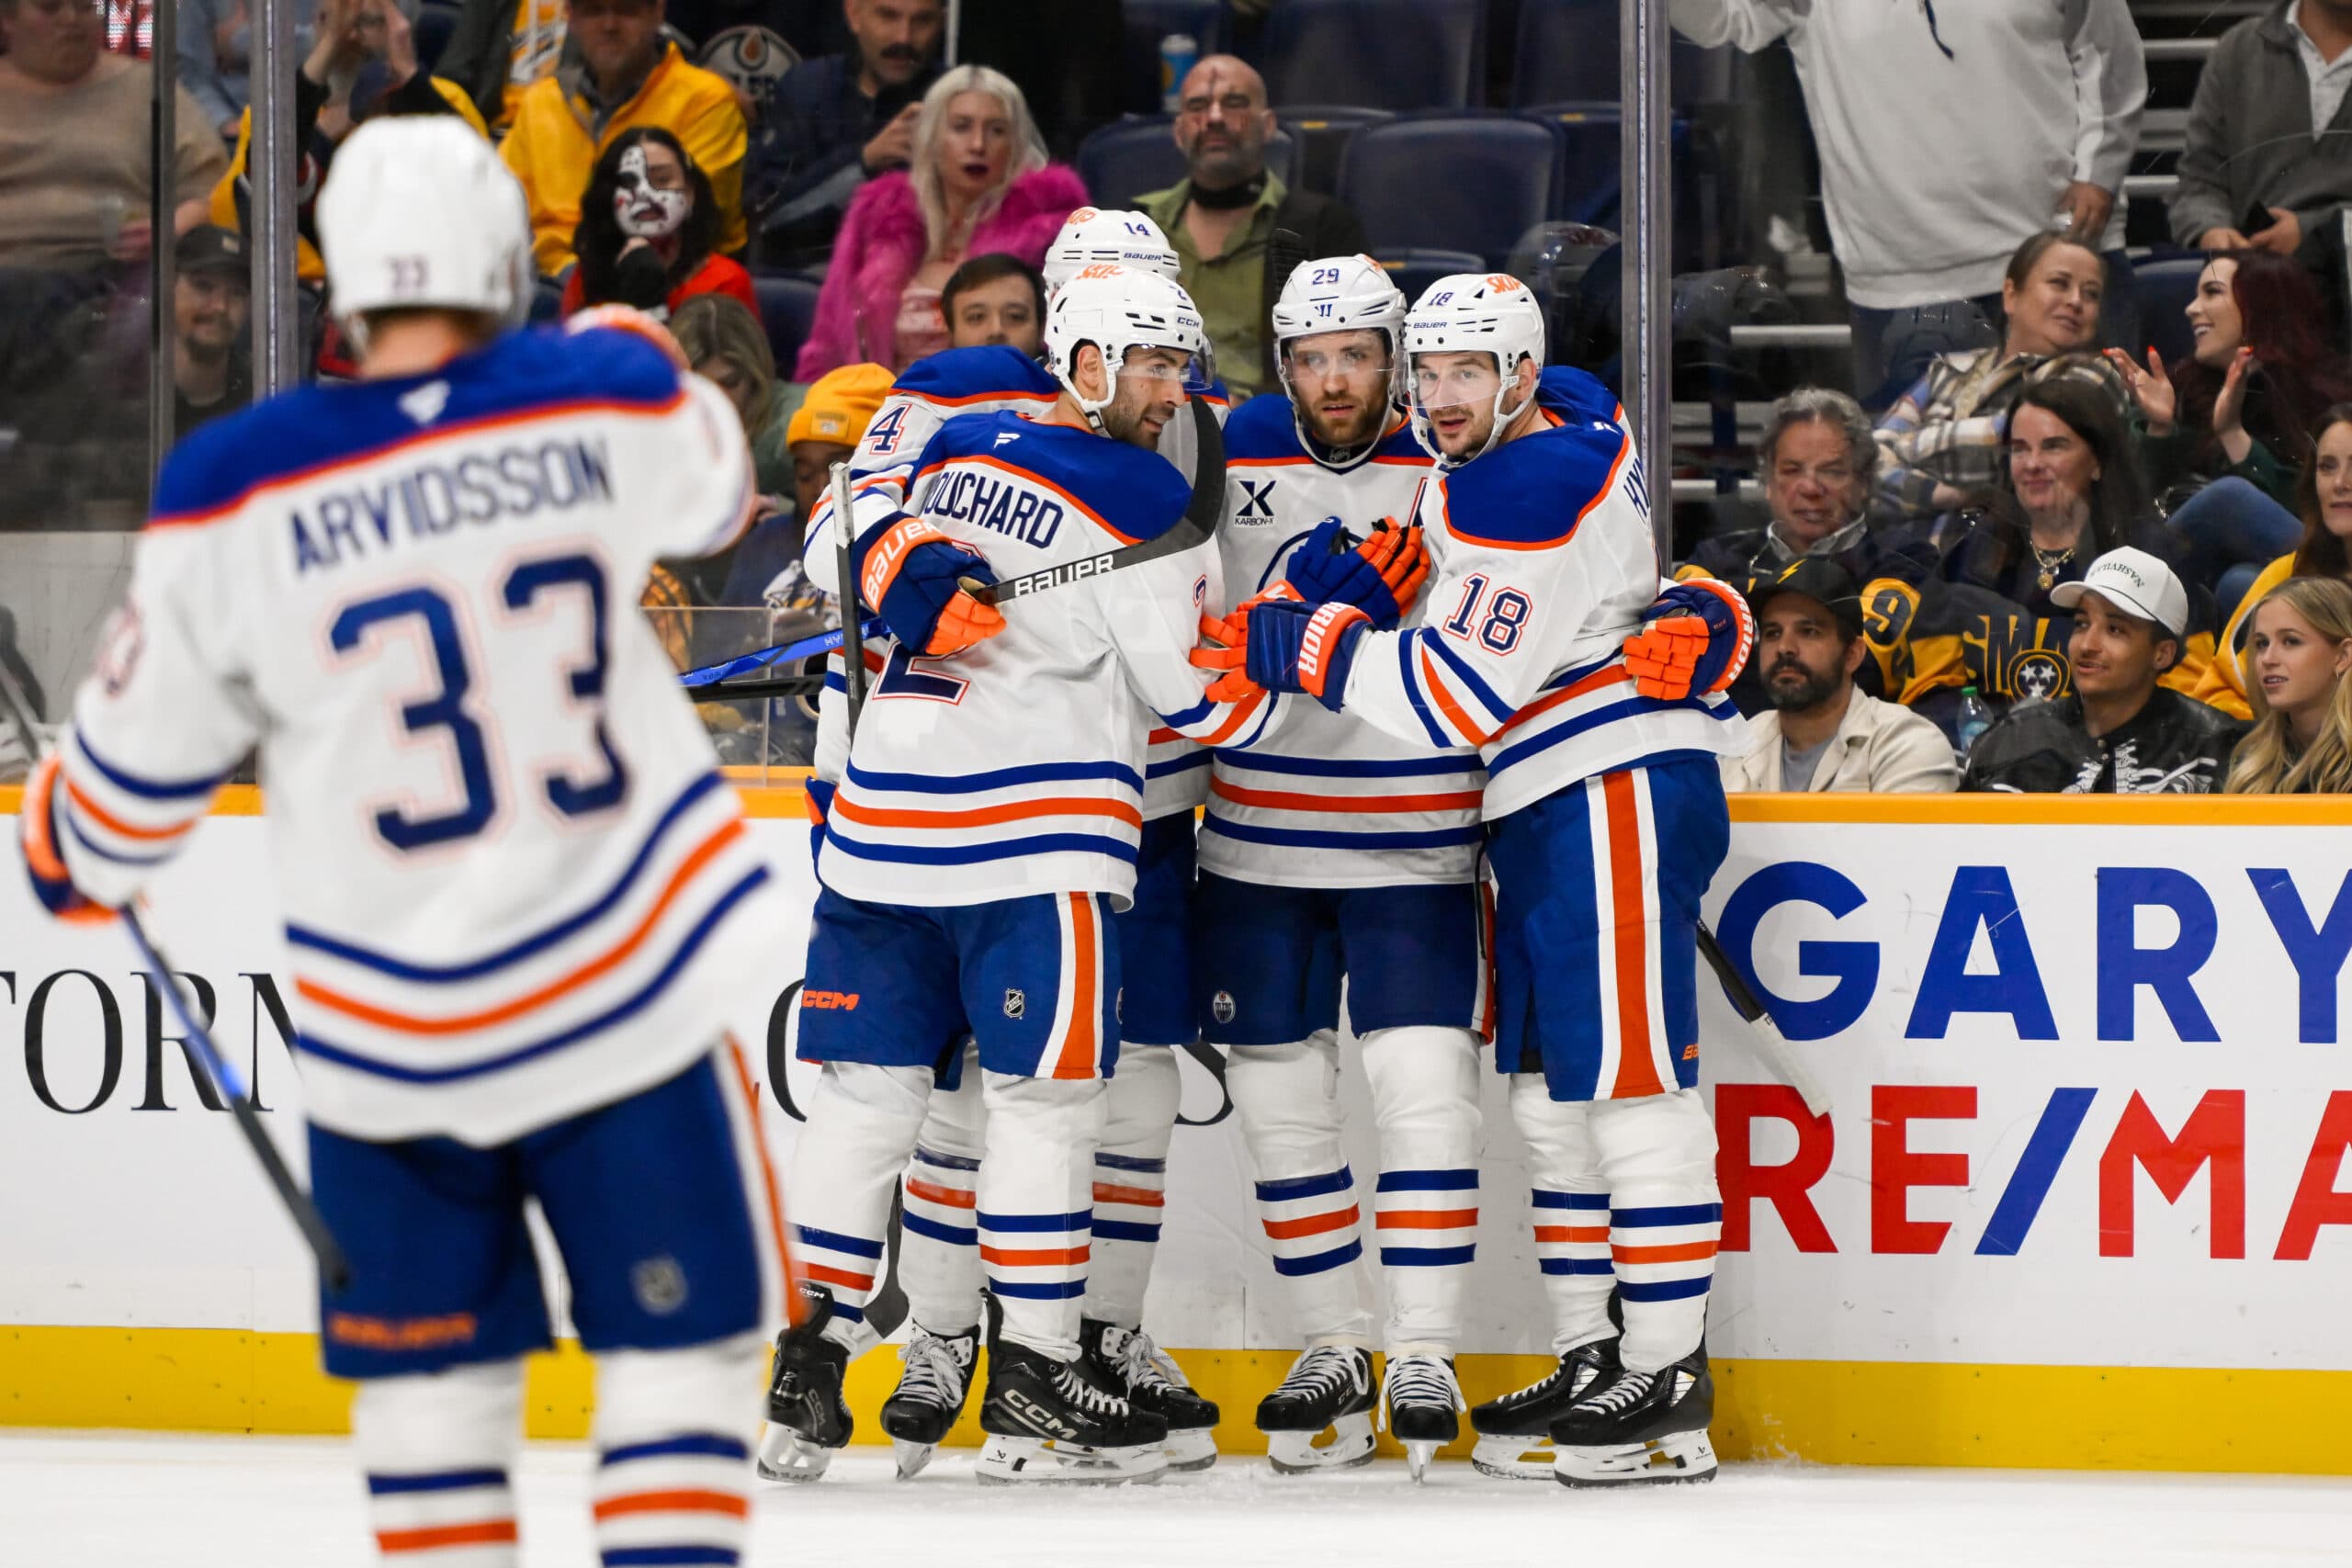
{"x":1657,"y":1154}
{"x":1035,"y":1211}
{"x":1571,"y":1212}
{"x":862,"y":1125}
{"x":1424,"y":1085}
{"x":1287,"y":1098}
{"x":672,"y":1483}
{"x":1130,"y":1181}
{"x":939,"y":1244}
{"x":437,"y":1451}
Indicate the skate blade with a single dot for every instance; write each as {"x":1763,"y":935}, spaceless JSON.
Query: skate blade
{"x":1513,"y":1458}
{"x":1683,"y":1457}
{"x":911,"y":1457}
{"x":784,"y":1455}
{"x":1034,"y":1462}
{"x":1417,"y":1460}
{"x":1297,"y":1453}
{"x":1193,"y":1448}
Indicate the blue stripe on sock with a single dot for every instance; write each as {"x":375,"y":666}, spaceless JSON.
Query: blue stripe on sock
{"x":1120,"y":1230}
{"x":668,"y":1556}
{"x":954,"y":1235}
{"x":1425,"y":1256}
{"x":1570,"y":1200}
{"x":1665,"y":1290}
{"x":848,"y":1313}
{"x":1289,"y":1188}
{"x":944,"y":1162}
{"x":856,"y":1247}
{"x":1062,"y":1290}
{"x":1673,"y":1214}
{"x":1577,"y":1265}
{"x":698,"y":1445}
{"x":1428,"y":1180}
{"x":1337,"y":1257}
{"x":433,"y":1481}
{"x":1130,"y":1162}
{"x":1033,"y":1223}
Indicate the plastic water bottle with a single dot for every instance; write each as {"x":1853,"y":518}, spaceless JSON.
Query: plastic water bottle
{"x":1975,"y":718}
{"x":1179,"y":53}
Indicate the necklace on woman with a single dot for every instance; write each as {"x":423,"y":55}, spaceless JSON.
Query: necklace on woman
{"x":2051,"y":562}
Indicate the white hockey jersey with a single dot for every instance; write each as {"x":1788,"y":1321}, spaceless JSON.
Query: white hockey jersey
{"x":1542,"y":562}
{"x":931,"y":391}
{"x":1016,"y":767}
{"x":515,"y":884}
{"x":1327,"y":799}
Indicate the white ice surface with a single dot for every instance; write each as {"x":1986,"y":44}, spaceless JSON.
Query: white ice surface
{"x":100,"y":1501}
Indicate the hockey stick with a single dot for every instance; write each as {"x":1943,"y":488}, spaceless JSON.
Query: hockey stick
{"x":732,"y":680}
{"x":205,"y":1058}
{"x":852,"y":634}
{"x":1770,"y":1047}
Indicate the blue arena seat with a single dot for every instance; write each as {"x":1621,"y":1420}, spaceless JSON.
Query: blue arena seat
{"x":1389,"y":54}
{"x":1128,"y":157}
{"x":1453,"y":182}
{"x":1591,"y":186}
{"x":1323,"y":132}
{"x":1567,"y":50}
{"x":787,"y":306}
{"x":1414,"y":270}
{"x":2164,"y":286}
{"x":436,"y":20}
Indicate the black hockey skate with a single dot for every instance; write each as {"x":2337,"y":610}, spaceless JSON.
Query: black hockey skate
{"x":1423,"y":1403}
{"x":1045,"y":1420}
{"x":1515,"y":1431}
{"x":1327,"y":1389}
{"x":1641,"y":1427}
{"x":808,"y":1418}
{"x":1125,"y":1362}
{"x":937,"y":1375}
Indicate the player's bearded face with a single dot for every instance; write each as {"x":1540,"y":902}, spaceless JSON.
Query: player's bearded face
{"x":1457,"y":393}
{"x":1150,"y":391}
{"x":1339,"y":382}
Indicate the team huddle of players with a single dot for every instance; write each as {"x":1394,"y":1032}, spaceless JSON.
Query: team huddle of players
{"x":1454,"y":738}
{"x":1416,"y":610}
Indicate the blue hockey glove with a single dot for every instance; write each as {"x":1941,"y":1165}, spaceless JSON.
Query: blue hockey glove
{"x":912,"y":578}
{"x":1381,"y":576}
{"x":1696,"y":637}
{"x":1284,"y":645}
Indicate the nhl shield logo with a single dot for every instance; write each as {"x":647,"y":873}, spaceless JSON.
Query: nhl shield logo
{"x":1221,"y":1005}
{"x":1016,"y":1005}
{"x":659,"y":1284}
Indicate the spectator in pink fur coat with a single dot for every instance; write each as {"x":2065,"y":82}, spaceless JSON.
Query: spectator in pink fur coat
{"x":978,"y":182}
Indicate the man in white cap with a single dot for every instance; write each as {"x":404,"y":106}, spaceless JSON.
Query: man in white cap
{"x":2120,"y":733}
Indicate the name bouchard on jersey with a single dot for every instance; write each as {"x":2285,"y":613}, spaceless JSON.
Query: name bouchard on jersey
{"x":513,"y":483}
{"x":1000,"y":506}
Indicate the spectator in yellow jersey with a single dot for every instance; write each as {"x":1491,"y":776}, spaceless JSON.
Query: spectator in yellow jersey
{"x":2301,"y":650}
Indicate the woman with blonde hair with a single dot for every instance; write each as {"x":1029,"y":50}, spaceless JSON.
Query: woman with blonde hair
{"x":2300,"y":651}
{"x":979,"y":181}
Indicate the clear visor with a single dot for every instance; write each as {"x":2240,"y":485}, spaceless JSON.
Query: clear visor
{"x":1454,"y":380}
{"x":1195,"y":373}
{"x":1348,"y":354}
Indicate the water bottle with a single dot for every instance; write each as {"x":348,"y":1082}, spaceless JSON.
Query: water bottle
{"x":1179,"y":53}
{"x":1975,"y":718}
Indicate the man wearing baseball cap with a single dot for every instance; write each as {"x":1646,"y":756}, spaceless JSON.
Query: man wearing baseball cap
{"x":1821,"y":734}
{"x":211,"y":302}
{"x":2120,"y":733}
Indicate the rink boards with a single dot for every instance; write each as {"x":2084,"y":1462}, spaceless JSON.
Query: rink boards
{"x":2081,"y":1200}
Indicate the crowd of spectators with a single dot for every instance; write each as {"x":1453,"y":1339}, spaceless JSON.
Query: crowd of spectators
{"x":2027,"y":550}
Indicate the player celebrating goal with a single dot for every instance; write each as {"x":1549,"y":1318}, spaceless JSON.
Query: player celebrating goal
{"x":930,"y":925}
{"x":1606,"y":821}
{"x":518,"y":894}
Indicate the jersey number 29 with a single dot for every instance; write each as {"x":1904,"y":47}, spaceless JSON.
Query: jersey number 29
{"x":446,"y":710}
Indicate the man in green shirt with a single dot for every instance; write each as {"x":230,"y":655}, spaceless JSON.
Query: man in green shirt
{"x":1221,"y":216}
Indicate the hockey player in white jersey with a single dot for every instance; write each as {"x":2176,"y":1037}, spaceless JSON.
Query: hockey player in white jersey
{"x":985,"y":829}
{"x":518,"y":895}
{"x":939,"y":1264}
{"x":1605,"y":821}
{"x":1334,"y":850}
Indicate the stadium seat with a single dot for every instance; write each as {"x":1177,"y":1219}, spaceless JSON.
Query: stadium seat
{"x":1414,"y":270}
{"x":1148,"y":21}
{"x":2164,"y":286}
{"x":1323,"y":132}
{"x":1454,"y":182}
{"x":787,"y":306}
{"x":436,"y":20}
{"x":1389,"y":54}
{"x":1567,"y":50}
{"x":1591,"y":185}
{"x":1128,"y":157}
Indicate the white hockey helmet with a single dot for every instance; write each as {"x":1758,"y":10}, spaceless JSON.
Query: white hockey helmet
{"x":418,"y":210}
{"x":1118,"y":309}
{"x":1095,"y":235}
{"x":1476,"y":312}
{"x":1338,"y":294}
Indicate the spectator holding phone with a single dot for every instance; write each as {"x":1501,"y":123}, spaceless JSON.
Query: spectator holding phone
{"x":2268,"y":165}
